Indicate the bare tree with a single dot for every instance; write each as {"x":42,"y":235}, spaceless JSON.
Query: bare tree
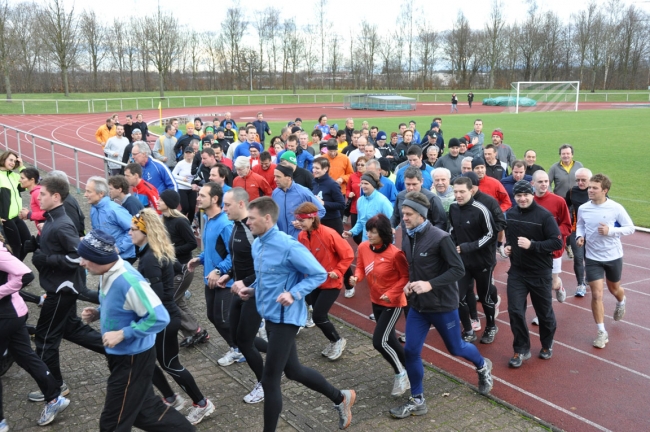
{"x":530,"y":42}
{"x":321,"y":13}
{"x":334,"y":57}
{"x":234,"y":29}
{"x":117,"y":47}
{"x":215,"y":56}
{"x":296,"y":50}
{"x":494,"y":30}
{"x":163,"y":35}
{"x":550,"y":48}
{"x":94,"y":35}
{"x":7,"y":46}
{"x":594,"y":55}
{"x":262,"y":28}
{"x":458,"y":49}
{"x":406,"y":23}
{"x":369,"y":42}
{"x":387,"y":53}
{"x":193,"y":50}
{"x":427,"y":45}
{"x":28,"y":39}
{"x":583,"y":22}
{"x":312,"y":53}
{"x":60,"y":37}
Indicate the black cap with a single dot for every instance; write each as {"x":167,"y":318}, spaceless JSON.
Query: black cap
{"x":472,"y":176}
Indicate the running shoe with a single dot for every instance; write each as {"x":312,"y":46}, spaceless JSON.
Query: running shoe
{"x":198,"y":413}
{"x":569,"y":251}
{"x":256,"y":395}
{"x":402,"y":339}
{"x":517,"y":360}
{"x":310,"y":321}
{"x":345,"y":408}
{"x":201,"y":336}
{"x":469,"y":336}
{"x":52,"y":409}
{"x":233,"y":355}
{"x":37,"y":396}
{"x":476,"y":324}
{"x":187,"y":342}
{"x":489,"y":334}
{"x":560,"y":294}
{"x":601,"y":339}
{"x":619,"y":312}
{"x":401,"y":384}
{"x":349,"y":293}
{"x":178,"y":403}
{"x":371,"y":317}
{"x":485,"y":381}
{"x":337,"y":349}
{"x":328,"y":349}
{"x":581,"y":290}
{"x":4,"y":427}
{"x":546,"y":353}
{"x":535,"y":321}
{"x":497,"y":306}
{"x":261,"y":333}
{"x":502,"y":251}
{"x":410,"y":408}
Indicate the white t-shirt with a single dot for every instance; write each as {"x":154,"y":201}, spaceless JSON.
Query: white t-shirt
{"x":115,"y":145}
{"x":600,"y":247}
{"x":183,"y":172}
{"x":356,"y":154}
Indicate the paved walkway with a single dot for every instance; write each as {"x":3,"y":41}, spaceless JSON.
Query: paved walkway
{"x":453,"y":405}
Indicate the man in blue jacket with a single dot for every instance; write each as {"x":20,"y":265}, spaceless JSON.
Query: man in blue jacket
{"x":216,"y":261}
{"x":414,"y":157}
{"x":518,"y":173}
{"x":131,"y":316}
{"x":109,"y":216}
{"x":153,"y":171}
{"x":286,"y":272}
{"x":289,"y":195}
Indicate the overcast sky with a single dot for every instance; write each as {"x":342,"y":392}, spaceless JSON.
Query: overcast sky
{"x":344,"y":13}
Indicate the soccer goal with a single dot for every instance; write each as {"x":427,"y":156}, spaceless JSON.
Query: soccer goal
{"x":544,"y":96}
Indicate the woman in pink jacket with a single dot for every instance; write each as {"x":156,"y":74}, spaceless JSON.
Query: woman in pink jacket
{"x":15,"y":338}
{"x":29,"y":178}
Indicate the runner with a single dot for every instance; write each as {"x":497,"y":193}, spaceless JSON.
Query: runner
{"x":601,"y":223}
{"x":577,"y":196}
{"x":284,"y":310}
{"x":386,"y":270}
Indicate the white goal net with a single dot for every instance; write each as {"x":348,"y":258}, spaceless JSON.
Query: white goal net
{"x":531,"y":96}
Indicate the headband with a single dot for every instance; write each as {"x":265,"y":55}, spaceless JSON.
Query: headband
{"x":301,"y":216}
{"x":285,"y":170}
{"x":422,"y":210}
{"x":370,"y":179}
{"x":138,"y":220}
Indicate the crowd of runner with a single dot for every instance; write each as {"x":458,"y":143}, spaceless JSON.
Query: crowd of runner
{"x":277,"y":223}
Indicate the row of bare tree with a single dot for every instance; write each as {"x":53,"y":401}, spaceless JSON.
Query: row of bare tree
{"x":55,"y":48}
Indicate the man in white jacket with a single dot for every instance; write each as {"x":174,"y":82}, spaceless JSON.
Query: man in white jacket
{"x":114,"y":149}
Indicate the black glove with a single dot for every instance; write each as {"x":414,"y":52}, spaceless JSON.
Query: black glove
{"x":31,"y":245}
{"x":39,"y":259}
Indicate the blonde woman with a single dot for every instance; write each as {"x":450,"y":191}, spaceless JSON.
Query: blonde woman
{"x":156,"y":264}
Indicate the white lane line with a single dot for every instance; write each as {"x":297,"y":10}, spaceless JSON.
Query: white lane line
{"x":640,"y":247}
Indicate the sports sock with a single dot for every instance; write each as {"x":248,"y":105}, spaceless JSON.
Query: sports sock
{"x":601,"y":327}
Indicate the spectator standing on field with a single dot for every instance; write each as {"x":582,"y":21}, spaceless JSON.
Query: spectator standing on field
{"x":454,"y":103}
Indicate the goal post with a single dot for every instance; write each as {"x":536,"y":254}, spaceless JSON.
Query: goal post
{"x":544,"y":96}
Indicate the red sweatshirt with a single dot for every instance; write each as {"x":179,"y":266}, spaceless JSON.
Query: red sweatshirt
{"x":387,"y":272}
{"x":330,"y":249}
{"x":255,"y":185}
{"x":495,"y":189}
{"x":558,"y":208}
{"x":269,"y":174}
{"x":148,"y":190}
{"x":35,"y":213}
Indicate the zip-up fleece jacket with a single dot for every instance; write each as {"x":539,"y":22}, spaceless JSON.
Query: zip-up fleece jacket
{"x":282,"y":264}
{"x":558,"y":208}
{"x":492,"y":205}
{"x":472,"y":228}
{"x":216,"y":253}
{"x":509,"y":184}
{"x":340,"y":167}
{"x":426,"y":177}
{"x":241,"y":246}
{"x":367,"y":207}
{"x":288,"y":201}
{"x":58,"y":242}
{"x":386,"y":271}
{"x":329,"y":191}
{"x":128,"y":303}
{"x":160,"y":277}
{"x":116,"y":221}
{"x":254,"y":184}
{"x":181,"y":236}
{"x":157,"y":173}
{"x":11,"y":274}
{"x":332,"y":252}
{"x":147,"y":194}
{"x":10,"y":201}
{"x":495,"y":189}
{"x":431,"y":255}
{"x":35,"y":214}
{"x":538,"y":225}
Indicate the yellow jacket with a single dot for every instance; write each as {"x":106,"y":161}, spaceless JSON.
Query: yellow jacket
{"x":103,"y":134}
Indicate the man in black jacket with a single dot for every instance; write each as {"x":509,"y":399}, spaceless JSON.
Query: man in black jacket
{"x":185,"y":140}
{"x":531,"y":237}
{"x":245,"y":320}
{"x":472,"y":230}
{"x":577,"y":196}
{"x":300,"y":175}
{"x":142,"y":125}
{"x":60,"y":275}
{"x":432,"y":292}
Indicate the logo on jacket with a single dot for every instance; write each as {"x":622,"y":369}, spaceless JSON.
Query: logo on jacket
{"x":424,"y":253}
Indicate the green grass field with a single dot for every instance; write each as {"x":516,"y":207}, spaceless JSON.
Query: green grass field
{"x":604,"y":141}
{"x":82,"y":103}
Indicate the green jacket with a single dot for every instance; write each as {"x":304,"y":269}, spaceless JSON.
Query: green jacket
{"x":10,"y":189}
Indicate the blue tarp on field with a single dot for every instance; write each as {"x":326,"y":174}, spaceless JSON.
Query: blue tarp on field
{"x":509,"y":101}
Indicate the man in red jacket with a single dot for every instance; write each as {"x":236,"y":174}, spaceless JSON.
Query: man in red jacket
{"x":558,"y":208}
{"x":266,"y":169}
{"x":254,"y":184}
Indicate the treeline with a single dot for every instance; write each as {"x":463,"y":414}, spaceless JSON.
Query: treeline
{"x":55,"y":48}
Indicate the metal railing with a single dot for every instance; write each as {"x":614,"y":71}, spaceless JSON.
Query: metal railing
{"x":48,"y":154}
{"x":105,"y":105}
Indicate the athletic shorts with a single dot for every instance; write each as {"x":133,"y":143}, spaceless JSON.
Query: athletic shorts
{"x":557,"y":265}
{"x":611,"y":269}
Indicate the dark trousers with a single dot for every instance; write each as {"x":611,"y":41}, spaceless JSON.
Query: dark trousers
{"x":578,"y":259}
{"x":353,"y":221}
{"x":130,"y":400}
{"x":282,"y":356}
{"x":59,"y":320}
{"x":384,"y":338}
{"x":487,"y":295}
{"x":16,"y":234}
{"x":337,"y":225}
{"x":188,"y":202}
{"x":539,"y":288}
{"x":322,"y":300}
{"x":189,"y":324}
{"x":217,"y":304}
{"x":14,"y":336}
{"x":244,"y":324}
{"x":167,"y":354}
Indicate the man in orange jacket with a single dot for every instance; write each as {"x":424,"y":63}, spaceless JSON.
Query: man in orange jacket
{"x":340,"y":166}
{"x":105,"y":132}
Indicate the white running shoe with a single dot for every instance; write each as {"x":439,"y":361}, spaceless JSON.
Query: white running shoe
{"x":502,"y":251}
{"x":619,"y":311}
{"x":601,"y":339}
{"x":560,"y":294}
{"x":581,"y":290}
{"x":401,"y":384}
{"x":349,"y":293}
{"x":337,"y":349}
{"x":310,"y":321}
{"x":233,"y":355}
{"x":535,"y":321}
{"x":496,"y":307}
{"x":198,"y":413}
{"x":261,"y":333}
{"x":178,"y":404}
{"x":328,"y":349}
{"x":256,"y":395}
{"x":476,"y":324}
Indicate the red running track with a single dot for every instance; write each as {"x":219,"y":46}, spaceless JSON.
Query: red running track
{"x":581,"y":388}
